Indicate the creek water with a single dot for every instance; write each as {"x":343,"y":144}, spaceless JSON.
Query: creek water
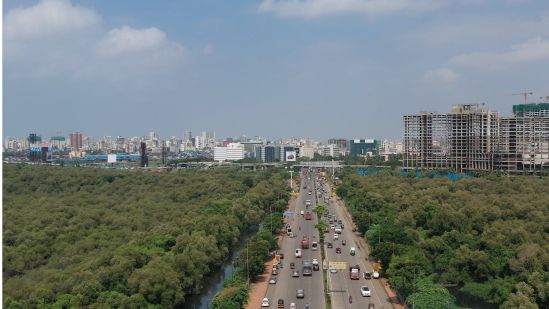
{"x":214,"y":280}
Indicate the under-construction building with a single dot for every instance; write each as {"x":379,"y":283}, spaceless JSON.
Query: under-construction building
{"x":463,"y":139}
{"x":523,"y":146}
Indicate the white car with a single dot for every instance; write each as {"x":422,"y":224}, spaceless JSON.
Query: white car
{"x":375,"y":275}
{"x":365,"y":291}
{"x":265,"y":303}
{"x":333,"y":270}
{"x":336,"y":236}
{"x":292,"y":306}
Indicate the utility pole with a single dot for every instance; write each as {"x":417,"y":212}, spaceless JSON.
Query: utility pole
{"x":247,"y":263}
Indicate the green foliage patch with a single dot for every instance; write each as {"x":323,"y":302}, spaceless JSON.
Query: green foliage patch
{"x":486,"y":235}
{"x":83,"y":237}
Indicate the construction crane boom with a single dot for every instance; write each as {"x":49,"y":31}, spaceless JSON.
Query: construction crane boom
{"x":525,"y":94}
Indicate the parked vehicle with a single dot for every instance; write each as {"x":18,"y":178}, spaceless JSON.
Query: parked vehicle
{"x":297,"y":253}
{"x":314,"y":246}
{"x":265,"y":303}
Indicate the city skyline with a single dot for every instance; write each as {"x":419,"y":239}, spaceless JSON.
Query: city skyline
{"x":275,"y":68}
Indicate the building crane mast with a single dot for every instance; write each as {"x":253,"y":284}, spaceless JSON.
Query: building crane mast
{"x":525,"y":94}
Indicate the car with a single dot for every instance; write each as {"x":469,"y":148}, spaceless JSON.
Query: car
{"x":300,"y":293}
{"x":343,"y":242}
{"x":280,"y":303}
{"x":375,"y":275}
{"x":365,"y":291}
{"x":336,"y":236}
{"x":371,"y":306}
{"x":332,"y":227}
{"x":274,"y":272}
{"x":292,"y":265}
{"x":272,"y":280}
{"x":367,"y":275}
{"x":330,"y":245}
{"x":338,"y":250}
{"x":265,"y":303}
{"x":281,"y":256}
{"x":342,"y":226}
{"x":293,"y":306}
{"x":333,"y":270}
{"x":295,"y":273}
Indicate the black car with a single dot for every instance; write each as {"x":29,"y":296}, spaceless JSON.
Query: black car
{"x":367,"y":276}
{"x":330,"y":245}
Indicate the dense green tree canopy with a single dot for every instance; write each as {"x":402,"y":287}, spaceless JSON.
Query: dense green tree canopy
{"x":101,"y":238}
{"x":486,"y":235}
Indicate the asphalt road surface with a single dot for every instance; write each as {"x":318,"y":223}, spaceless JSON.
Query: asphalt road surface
{"x":339,"y":284}
{"x":286,"y":286}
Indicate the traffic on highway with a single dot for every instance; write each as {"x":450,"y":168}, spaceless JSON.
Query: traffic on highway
{"x":297,"y":276}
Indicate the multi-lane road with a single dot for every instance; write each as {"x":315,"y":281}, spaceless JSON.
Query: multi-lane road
{"x":339,"y":284}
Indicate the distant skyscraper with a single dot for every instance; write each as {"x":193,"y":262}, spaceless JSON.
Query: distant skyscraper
{"x":76,"y":140}
{"x":187,"y":140}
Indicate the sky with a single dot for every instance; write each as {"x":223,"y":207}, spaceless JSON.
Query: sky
{"x":272,"y":68}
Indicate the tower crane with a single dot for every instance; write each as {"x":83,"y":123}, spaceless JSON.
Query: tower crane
{"x":525,"y":94}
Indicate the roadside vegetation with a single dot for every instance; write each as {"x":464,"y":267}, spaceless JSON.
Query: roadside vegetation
{"x":486,"y":236}
{"x":97,"y":238}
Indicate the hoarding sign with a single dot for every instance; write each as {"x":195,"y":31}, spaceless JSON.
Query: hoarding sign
{"x":338,"y":265}
{"x":291,"y":156}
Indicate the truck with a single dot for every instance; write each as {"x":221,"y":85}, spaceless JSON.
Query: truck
{"x":308,"y":215}
{"x":305,"y":242}
{"x":307,"y":268}
{"x":354,"y":272}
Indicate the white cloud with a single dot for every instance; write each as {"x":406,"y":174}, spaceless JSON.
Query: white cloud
{"x":536,"y":49}
{"x":128,"y":40}
{"x":444,"y":75}
{"x":318,"y":8}
{"x":57,"y":38}
{"x":48,"y":17}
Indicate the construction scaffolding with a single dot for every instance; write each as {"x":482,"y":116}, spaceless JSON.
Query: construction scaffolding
{"x":462,"y":140}
{"x":523,"y":147}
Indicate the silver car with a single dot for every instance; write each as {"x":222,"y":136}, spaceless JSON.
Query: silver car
{"x":300,"y":293}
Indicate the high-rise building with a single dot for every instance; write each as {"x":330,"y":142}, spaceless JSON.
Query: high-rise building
{"x":463,"y":139}
{"x":523,"y":146}
{"x":76,"y":140}
{"x":187,"y":140}
{"x":233,"y":152}
{"x":331,"y":150}
{"x":364,"y":147}
{"x":341,"y":143}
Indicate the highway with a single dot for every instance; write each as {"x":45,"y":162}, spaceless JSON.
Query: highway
{"x":286,"y":286}
{"x":339,"y":284}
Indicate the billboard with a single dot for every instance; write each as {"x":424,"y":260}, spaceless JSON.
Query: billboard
{"x":291,"y":156}
{"x":111,"y":158}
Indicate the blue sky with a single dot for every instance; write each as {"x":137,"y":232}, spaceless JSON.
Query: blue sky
{"x":311,"y":68}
